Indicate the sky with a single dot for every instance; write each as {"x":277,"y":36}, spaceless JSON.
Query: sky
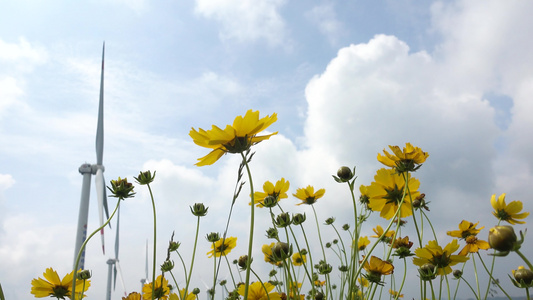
{"x":346,"y":79}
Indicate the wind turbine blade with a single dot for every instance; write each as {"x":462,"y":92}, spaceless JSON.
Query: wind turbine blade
{"x":117,"y":264}
{"x":100,"y":126}
{"x":100,"y":194}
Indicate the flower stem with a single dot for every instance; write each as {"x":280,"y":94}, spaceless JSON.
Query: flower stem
{"x":155,"y":241}
{"x":525,"y":259}
{"x":193,"y":255}
{"x":251,"y":235}
{"x":85,"y":244}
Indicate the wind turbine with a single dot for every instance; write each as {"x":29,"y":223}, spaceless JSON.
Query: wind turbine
{"x":145,"y":279}
{"x":87,"y":170}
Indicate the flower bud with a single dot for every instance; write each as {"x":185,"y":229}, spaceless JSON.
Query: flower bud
{"x":345,"y":174}
{"x":330,"y":221}
{"x":173,"y":246}
{"x":243,"y":262}
{"x":121,"y":189}
{"x":428,"y":272}
{"x":298,"y":219}
{"x":272,"y":273}
{"x":457,"y":274}
{"x":523,"y":276}
{"x":283,"y":220}
{"x":167,"y":266}
{"x":199,"y":210}
{"x":213,"y":237}
{"x":145,"y":177}
{"x":319,"y":296}
{"x":281,"y":251}
{"x":270,"y":201}
{"x":502,"y":238}
{"x":83,"y":275}
{"x":324,"y":268}
{"x":223,"y":282}
{"x":196,"y":291}
{"x":346,"y":227}
{"x":272,"y":233}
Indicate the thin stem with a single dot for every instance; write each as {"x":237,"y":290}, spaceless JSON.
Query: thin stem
{"x":85,"y":244}
{"x":155,"y":240}
{"x":525,"y":259}
{"x":251,"y":235}
{"x":193,"y":255}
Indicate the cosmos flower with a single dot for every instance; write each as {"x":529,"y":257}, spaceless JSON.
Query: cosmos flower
{"x":256,"y":291}
{"x":52,"y":286}
{"x":269,"y":257}
{"x":222,"y":247}
{"x":161,"y":290}
{"x":308,"y":195}
{"x":408,"y":159}
{"x":386,"y":193}
{"x":443,"y":259}
{"x":235,"y":138}
{"x":278,"y":191}
{"x":508,"y":212}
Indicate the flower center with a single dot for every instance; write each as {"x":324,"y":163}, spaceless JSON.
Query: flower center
{"x":394,"y":195}
{"x":441,"y":260}
{"x":503,"y":215}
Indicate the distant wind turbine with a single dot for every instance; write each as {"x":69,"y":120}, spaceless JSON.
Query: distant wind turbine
{"x":115,"y":263}
{"x":87,"y":170}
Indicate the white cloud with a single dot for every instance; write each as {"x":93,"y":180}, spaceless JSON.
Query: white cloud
{"x":325,"y":18}
{"x":248,"y":20}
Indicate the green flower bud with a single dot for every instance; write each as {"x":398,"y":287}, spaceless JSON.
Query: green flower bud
{"x":121,"y":189}
{"x":145,"y":177}
{"x":270,"y":201}
{"x":428,"y":272}
{"x":502,"y":238}
{"x":196,"y":291}
{"x":83,"y":275}
{"x":324,"y":268}
{"x":281,"y":251}
{"x":223,"y":282}
{"x":330,"y":221}
{"x":298,"y":219}
{"x":243,"y":262}
{"x":272,"y":273}
{"x":283,"y":220}
{"x":346,"y":227}
{"x":457,"y":274}
{"x":199,"y":210}
{"x":523,"y":277}
{"x":213,"y":237}
{"x":167,"y":266}
{"x":173,"y":246}
{"x":272,"y":233}
{"x":344,"y":174}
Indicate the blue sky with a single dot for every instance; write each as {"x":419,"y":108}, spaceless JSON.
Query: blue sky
{"x":346,"y":78}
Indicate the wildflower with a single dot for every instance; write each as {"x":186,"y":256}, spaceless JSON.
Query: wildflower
{"x":121,"y":189}
{"x":403,"y":247}
{"x":133,"y":296}
{"x":466,"y":229}
{"x":298,"y":259}
{"x":364,"y":199}
{"x":375,"y":268}
{"x":161,"y":290}
{"x":362,"y":243}
{"x":258,"y":291}
{"x":442,"y":259}
{"x":408,"y":160}
{"x":363,"y":281}
{"x":284,"y":219}
{"x":395,"y":294}
{"x":52,"y":286}
{"x":457,"y":274}
{"x":387,"y":191}
{"x":272,"y":233}
{"x":523,"y":278}
{"x":298,"y":218}
{"x":278,"y":192}
{"x":243,"y":262}
{"x":508,"y":212}
{"x":222,"y":247}
{"x":235,"y":138}
{"x":213,"y":237}
{"x":167,"y":266}
{"x":428,"y":272}
{"x":379,"y":233}
{"x":308,"y":195}
{"x":473,"y":244}
{"x":324,"y":268}
{"x":329,"y":221}
{"x":281,"y":251}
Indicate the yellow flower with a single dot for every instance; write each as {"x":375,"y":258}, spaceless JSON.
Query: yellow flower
{"x":308,"y":195}
{"x":508,"y":212}
{"x":377,"y":267}
{"x":473,"y":245}
{"x":132,"y":296}
{"x":298,"y":259}
{"x":395,"y":294}
{"x":386,"y":192}
{"x":441,"y":258}
{"x":278,"y":191}
{"x":256,"y":291}
{"x":363,"y":281}
{"x":379,"y":232}
{"x":235,"y":138}
{"x":466,"y":229}
{"x":362,"y":243}
{"x":409,"y":159}
{"x":161,"y":290}
{"x":220,"y":248}
{"x":174,"y":296}
{"x":54,"y":287}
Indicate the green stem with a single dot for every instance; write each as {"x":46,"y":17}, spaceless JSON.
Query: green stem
{"x":251,"y":235}
{"x":492,"y":278}
{"x":525,"y":259}
{"x":83,"y":248}
{"x":193,"y":255}
{"x":155,"y":241}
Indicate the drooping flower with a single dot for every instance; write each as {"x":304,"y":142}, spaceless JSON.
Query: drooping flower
{"x":386,"y":193}
{"x":222,"y":247}
{"x":409,"y":159}
{"x":235,"y":138}
{"x":161,"y":290}
{"x":466,"y":229}
{"x":256,"y":291}
{"x":379,"y":232}
{"x":308,"y":195}
{"x":376,"y":267}
{"x":278,"y":191}
{"x":508,"y":212}
{"x":52,"y":286}
{"x":442,"y":259}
